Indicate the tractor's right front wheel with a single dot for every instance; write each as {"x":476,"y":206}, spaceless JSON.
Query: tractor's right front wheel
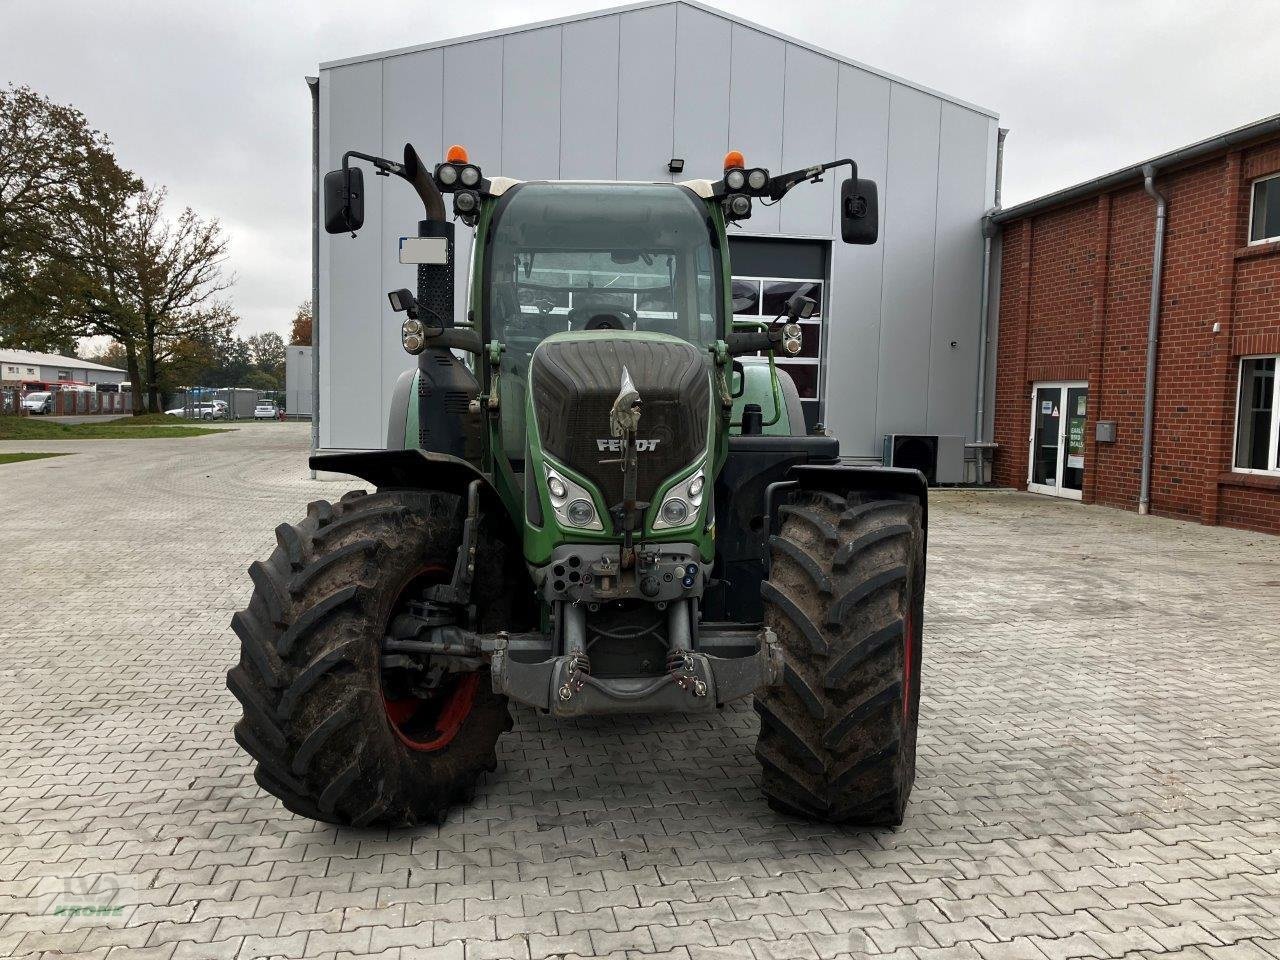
{"x":336,"y":736}
{"x":845,"y":596}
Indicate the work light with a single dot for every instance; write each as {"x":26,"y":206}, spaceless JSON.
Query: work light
{"x":740,"y":205}
{"x":735,"y":179}
{"x":469,"y":176}
{"x":792,"y":339}
{"x":411,"y":336}
{"x":757,"y":179}
{"x":446,"y":174}
{"x":466,"y":202}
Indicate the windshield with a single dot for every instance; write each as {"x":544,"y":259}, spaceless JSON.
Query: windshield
{"x":582,"y":256}
{"x":37,"y":396}
{"x":565,"y":253}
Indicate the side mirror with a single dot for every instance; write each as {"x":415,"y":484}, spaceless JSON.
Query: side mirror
{"x":737,"y":379}
{"x":344,"y":200}
{"x":859,"y":212}
{"x":800,"y":305}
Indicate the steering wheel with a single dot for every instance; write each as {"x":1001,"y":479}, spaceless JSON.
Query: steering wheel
{"x":605,"y":321}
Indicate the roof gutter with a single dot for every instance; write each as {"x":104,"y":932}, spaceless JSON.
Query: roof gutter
{"x":1153,"y":336}
{"x":1134,"y":174}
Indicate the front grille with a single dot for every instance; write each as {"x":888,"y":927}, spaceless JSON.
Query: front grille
{"x":575,"y":382}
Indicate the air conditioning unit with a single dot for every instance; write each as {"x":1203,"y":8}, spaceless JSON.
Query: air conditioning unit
{"x":940,"y":459}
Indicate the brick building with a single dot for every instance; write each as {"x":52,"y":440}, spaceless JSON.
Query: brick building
{"x":1074,"y":307}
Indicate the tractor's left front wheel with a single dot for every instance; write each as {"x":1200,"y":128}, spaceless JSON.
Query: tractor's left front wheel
{"x":335,"y":739}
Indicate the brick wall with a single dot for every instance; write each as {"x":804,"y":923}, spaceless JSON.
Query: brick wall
{"x":1074,"y":299}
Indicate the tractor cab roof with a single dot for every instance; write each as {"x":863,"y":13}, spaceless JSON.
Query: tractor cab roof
{"x":702,"y":188}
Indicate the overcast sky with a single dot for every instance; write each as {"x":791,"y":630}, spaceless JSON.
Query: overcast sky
{"x":208,"y":98}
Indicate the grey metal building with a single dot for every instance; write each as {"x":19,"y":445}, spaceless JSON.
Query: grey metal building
{"x":620,"y":94}
{"x":298,"y":381}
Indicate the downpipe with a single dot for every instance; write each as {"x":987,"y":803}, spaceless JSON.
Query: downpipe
{"x":313,"y":83}
{"x":1153,"y":338}
{"x":989,"y":231}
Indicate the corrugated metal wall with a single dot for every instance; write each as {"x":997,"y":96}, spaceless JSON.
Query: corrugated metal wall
{"x":297,"y":381}
{"x":616,"y":96}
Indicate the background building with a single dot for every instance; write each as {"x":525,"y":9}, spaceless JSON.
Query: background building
{"x":19,"y":365}
{"x":620,"y":94}
{"x":1074,"y":312}
{"x":298,"y":381}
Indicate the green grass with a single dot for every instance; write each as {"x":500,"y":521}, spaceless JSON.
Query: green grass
{"x":19,"y":457}
{"x":30,"y":428}
{"x":147,"y":420}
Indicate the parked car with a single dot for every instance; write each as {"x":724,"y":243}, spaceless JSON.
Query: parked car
{"x":266,"y":410}
{"x":215,"y":410}
{"x":40,"y":401}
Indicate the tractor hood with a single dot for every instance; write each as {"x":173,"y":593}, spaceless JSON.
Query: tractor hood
{"x":575,"y":379}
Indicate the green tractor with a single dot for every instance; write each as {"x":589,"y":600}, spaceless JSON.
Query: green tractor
{"x":598,"y":497}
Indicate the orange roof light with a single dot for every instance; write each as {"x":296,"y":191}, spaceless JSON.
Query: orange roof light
{"x":734,"y":159}
{"x":457,"y":154}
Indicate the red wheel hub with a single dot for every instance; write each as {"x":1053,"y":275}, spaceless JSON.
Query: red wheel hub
{"x":451,"y":707}
{"x":430,"y":724}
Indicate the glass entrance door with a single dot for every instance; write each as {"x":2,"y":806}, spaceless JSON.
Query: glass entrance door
{"x":1056,"y":462}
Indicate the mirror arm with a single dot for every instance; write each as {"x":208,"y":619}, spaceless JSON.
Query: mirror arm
{"x":413,"y":172}
{"x":779,"y":185}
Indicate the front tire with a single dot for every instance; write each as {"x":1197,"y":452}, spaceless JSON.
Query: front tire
{"x":845,"y":595}
{"x":327,"y":740}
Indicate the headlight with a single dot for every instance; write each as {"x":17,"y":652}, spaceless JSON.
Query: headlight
{"x":734,"y":179}
{"x":447,"y":174}
{"x":571,"y":502}
{"x":740,"y":205}
{"x":469,"y":176}
{"x":580,"y":513}
{"x":681,"y":505}
{"x":675,"y":511}
{"x":757,"y":178}
{"x":464,"y":202}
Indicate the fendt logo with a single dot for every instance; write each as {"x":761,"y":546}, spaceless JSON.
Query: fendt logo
{"x":615,"y":445}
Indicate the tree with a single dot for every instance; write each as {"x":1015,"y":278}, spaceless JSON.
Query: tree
{"x":57,"y":175}
{"x":176,"y":269}
{"x":300,"y":335}
{"x":268,"y":355}
{"x":86,"y":250}
{"x":111,"y":355}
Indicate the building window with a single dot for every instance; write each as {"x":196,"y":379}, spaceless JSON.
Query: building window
{"x":1256,"y":421}
{"x":1264,"y":210}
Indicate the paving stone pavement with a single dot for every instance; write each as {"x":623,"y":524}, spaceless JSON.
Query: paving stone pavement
{"x":1098,"y":757}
